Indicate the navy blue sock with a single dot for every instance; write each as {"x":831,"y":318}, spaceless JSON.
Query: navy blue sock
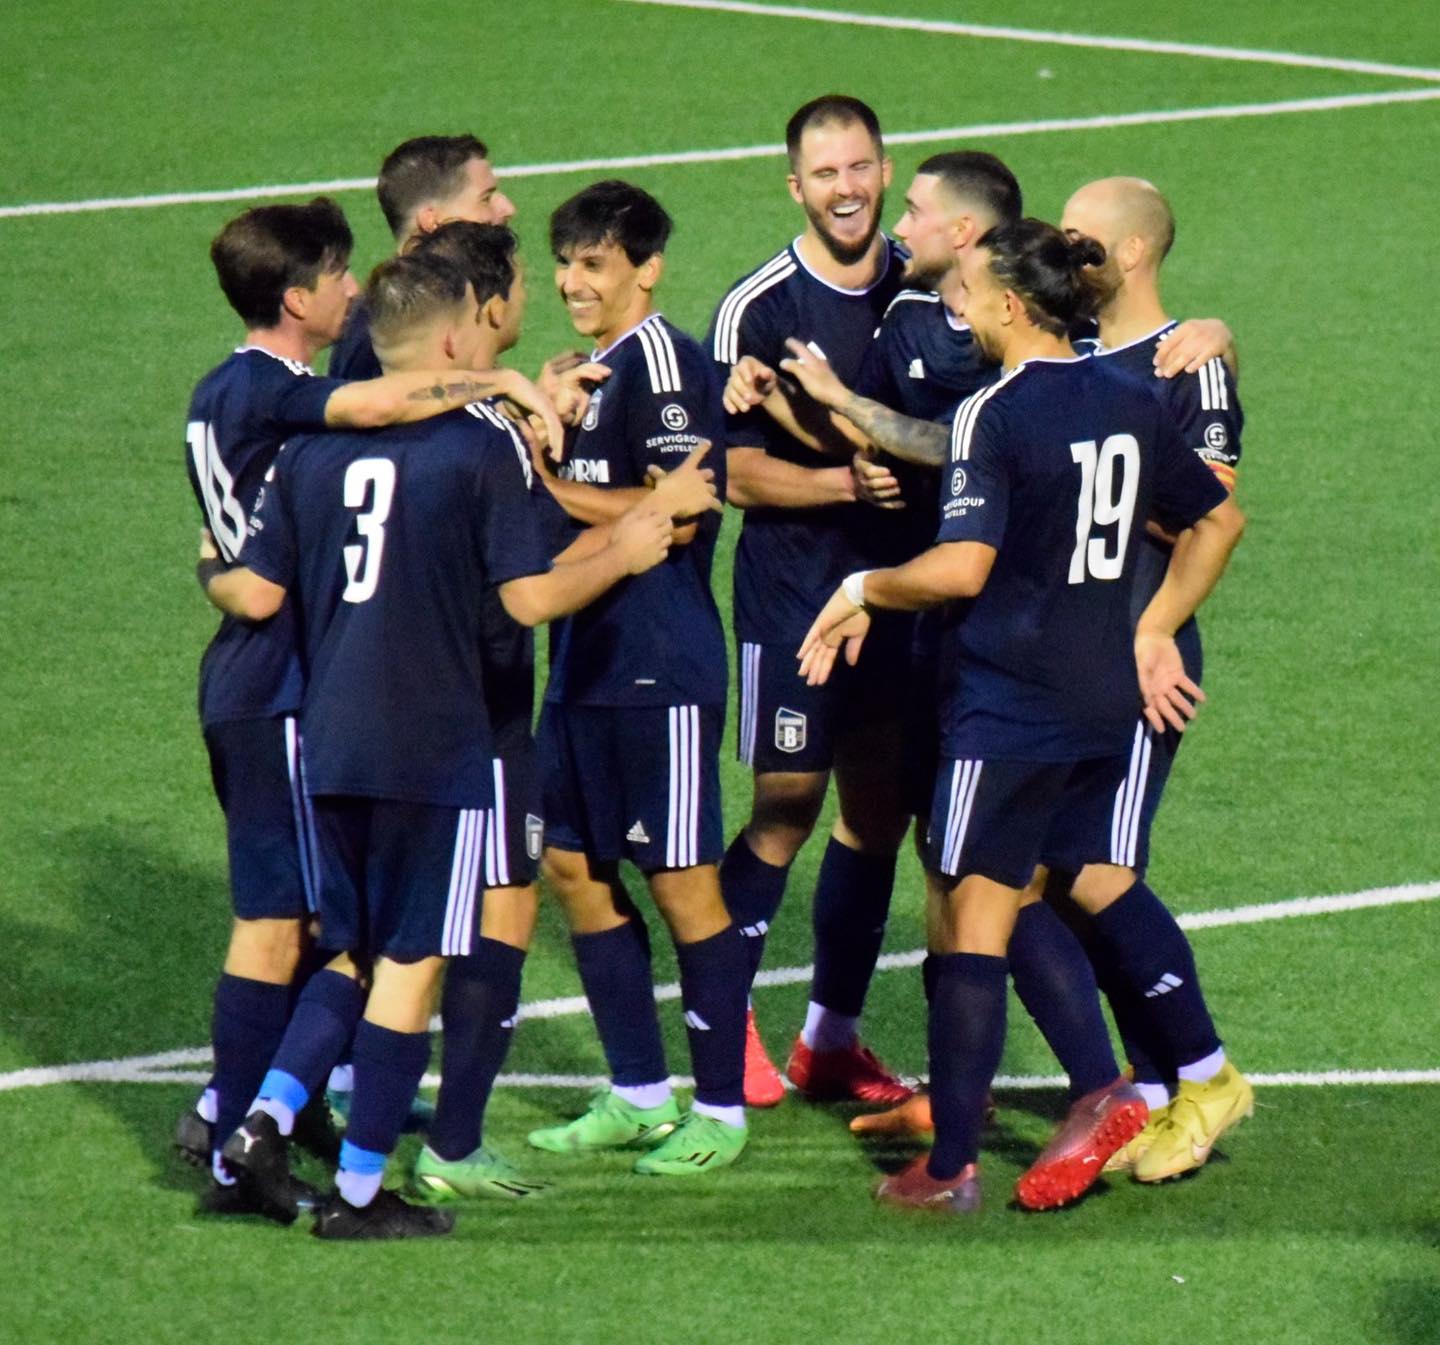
{"x":320,"y":1028}
{"x":967,"y":1035}
{"x":313,"y":960}
{"x":753,"y":891}
{"x":1155,"y":957}
{"x":852,"y":901}
{"x":714,"y":986}
{"x":249,"y":1022}
{"x":388,"y":1069}
{"x":615,"y":972}
{"x":477,"y":1014}
{"x":1145,"y":1049}
{"x":1056,"y":984}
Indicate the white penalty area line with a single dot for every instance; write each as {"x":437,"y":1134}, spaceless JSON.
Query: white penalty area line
{"x":980,"y":130}
{"x":1056,"y":39}
{"x":170,"y":1066}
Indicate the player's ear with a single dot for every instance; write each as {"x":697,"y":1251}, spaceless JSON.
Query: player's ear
{"x":427,"y":219}
{"x":492,"y":312}
{"x":447,"y":343}
{"x":796,"y":194}
{"x":296,"y":301}
{"x":1131,"y":252}
{"x":887,"y":170}
{"x":650,"y":271}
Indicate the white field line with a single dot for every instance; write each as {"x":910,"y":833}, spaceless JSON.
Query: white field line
{"x":166,"y":1066}
{"x":979,"y":130}
{"x":1055,"y":39}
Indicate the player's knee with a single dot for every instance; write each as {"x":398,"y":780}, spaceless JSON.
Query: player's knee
{"x":784,"y":814}
{"x":508,"y":914}
{"x":690,"y":903}
{"x":1096,"y":886}
{"x":877,"y":831}
{"x":264,"y":950}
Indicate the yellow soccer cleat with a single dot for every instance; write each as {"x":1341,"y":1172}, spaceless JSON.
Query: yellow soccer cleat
{"x":1127,"y":1155}
{"x":1199,"y":1115}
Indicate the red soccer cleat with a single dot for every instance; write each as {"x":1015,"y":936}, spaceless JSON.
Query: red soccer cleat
{"x":850,"y":1074}
{"x":763,"y":1085}
{"x":914,"y":1188}
{"x":1095,"y":1127}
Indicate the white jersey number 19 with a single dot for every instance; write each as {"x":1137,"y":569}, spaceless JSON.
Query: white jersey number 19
{"x":362,"y":561}
{"x":1101,"y":505}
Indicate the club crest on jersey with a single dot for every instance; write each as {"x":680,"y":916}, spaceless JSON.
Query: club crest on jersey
{"x":592,"y":411}
{"x":534,"y":835}
{"x":1215,"y":436}
{"x":789,"y":730}
{"x":917,"y":368}
{"x":957,"y":481}
{"x":674,"y":417}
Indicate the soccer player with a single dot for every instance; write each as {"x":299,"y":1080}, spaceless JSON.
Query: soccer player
{"x":803,"y":531}
{"x":1054,"y":472}
{"x":634,"y":709}
{"x":388,"y":540}
{"x":423,"y":183}
{"x":285,"y":271}
{"x":1148,"y":970}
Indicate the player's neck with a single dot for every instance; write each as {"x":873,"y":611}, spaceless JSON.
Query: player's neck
{"x":289,"y":342}
{"x":1133,"y":312}
{"x":623,"y":326}
{"x":857,"y":275}
{"x":1034,"y":344}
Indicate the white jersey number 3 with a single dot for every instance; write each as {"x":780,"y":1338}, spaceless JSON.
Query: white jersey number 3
{"x":362,"y":560}
{"x":1101,"y":505}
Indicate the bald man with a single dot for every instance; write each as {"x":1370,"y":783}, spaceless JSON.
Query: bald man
{"x":1143,"y":960}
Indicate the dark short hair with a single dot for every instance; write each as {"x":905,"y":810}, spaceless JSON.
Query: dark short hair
{"x":264,"y":252}
{"x":404,"y":292}
{"x":1047,"y":270}
{"x":427,"y":168}
{"x":483,"y":253}
{"x":831,"y":109}
{"x":973,"y":175}
{"x":611,"y":212}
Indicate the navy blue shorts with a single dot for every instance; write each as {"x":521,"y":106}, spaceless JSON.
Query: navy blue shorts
{"x":255,"y":766}
{"x":1114,"y":828}
{"x":639,"y":783}
{"x":519,"y":831}
{"x":786,"y":725}
{"x":402,"y":880}
{"x":1000,"y":819}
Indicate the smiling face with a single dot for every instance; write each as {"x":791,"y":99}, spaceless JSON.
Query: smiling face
{"x":840,"y":179}
{"x":983,"y":303}
{"x":604,"y":292}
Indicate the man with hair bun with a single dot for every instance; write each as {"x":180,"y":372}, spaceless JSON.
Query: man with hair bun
{"x":1053,"y":473}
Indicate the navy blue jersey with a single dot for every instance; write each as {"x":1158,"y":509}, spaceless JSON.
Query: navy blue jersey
{"x":1206,"y":409}
{"x":655,"y":638}
{"x":241,"y":413}
{"x":507,"y":649}
{"x":922,"y":363}
{"x":352,"y":356}
{"x":1057,"y":467}
{"x":386,"y":540}
{"x":789,"y":561}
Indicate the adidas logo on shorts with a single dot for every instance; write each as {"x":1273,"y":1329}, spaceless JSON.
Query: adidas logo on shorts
{"x":636,"y":835}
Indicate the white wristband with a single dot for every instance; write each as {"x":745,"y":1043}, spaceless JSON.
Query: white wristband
{"x":853,"y":587}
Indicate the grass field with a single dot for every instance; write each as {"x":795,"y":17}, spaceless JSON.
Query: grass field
{"x":1311,"y":772}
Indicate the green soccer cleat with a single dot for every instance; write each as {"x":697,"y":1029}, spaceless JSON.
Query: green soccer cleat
{"x":700,"y":1144}
{"x":1199,"y":1115}
{"x":610,"y":1123}
{"x":485,"y":1174}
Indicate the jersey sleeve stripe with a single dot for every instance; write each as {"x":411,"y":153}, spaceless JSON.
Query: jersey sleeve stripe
{"x":911,"y":296}
{"x":732,"y":309}
{"x":965,"y":419}
{"x":666,"y":349}
{"x":660,"y":379}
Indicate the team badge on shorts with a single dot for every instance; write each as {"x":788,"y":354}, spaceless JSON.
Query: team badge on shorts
{"x":789,"y":730}
{"x":534,"y":835}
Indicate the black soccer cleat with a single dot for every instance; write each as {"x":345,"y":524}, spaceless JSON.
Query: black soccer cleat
{"x":259,"y":1156}
{"x":387,"y":1216}
{"x":315,"y":1130}
{"x":241,"y":1198}
{"x":194,"y":1137}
